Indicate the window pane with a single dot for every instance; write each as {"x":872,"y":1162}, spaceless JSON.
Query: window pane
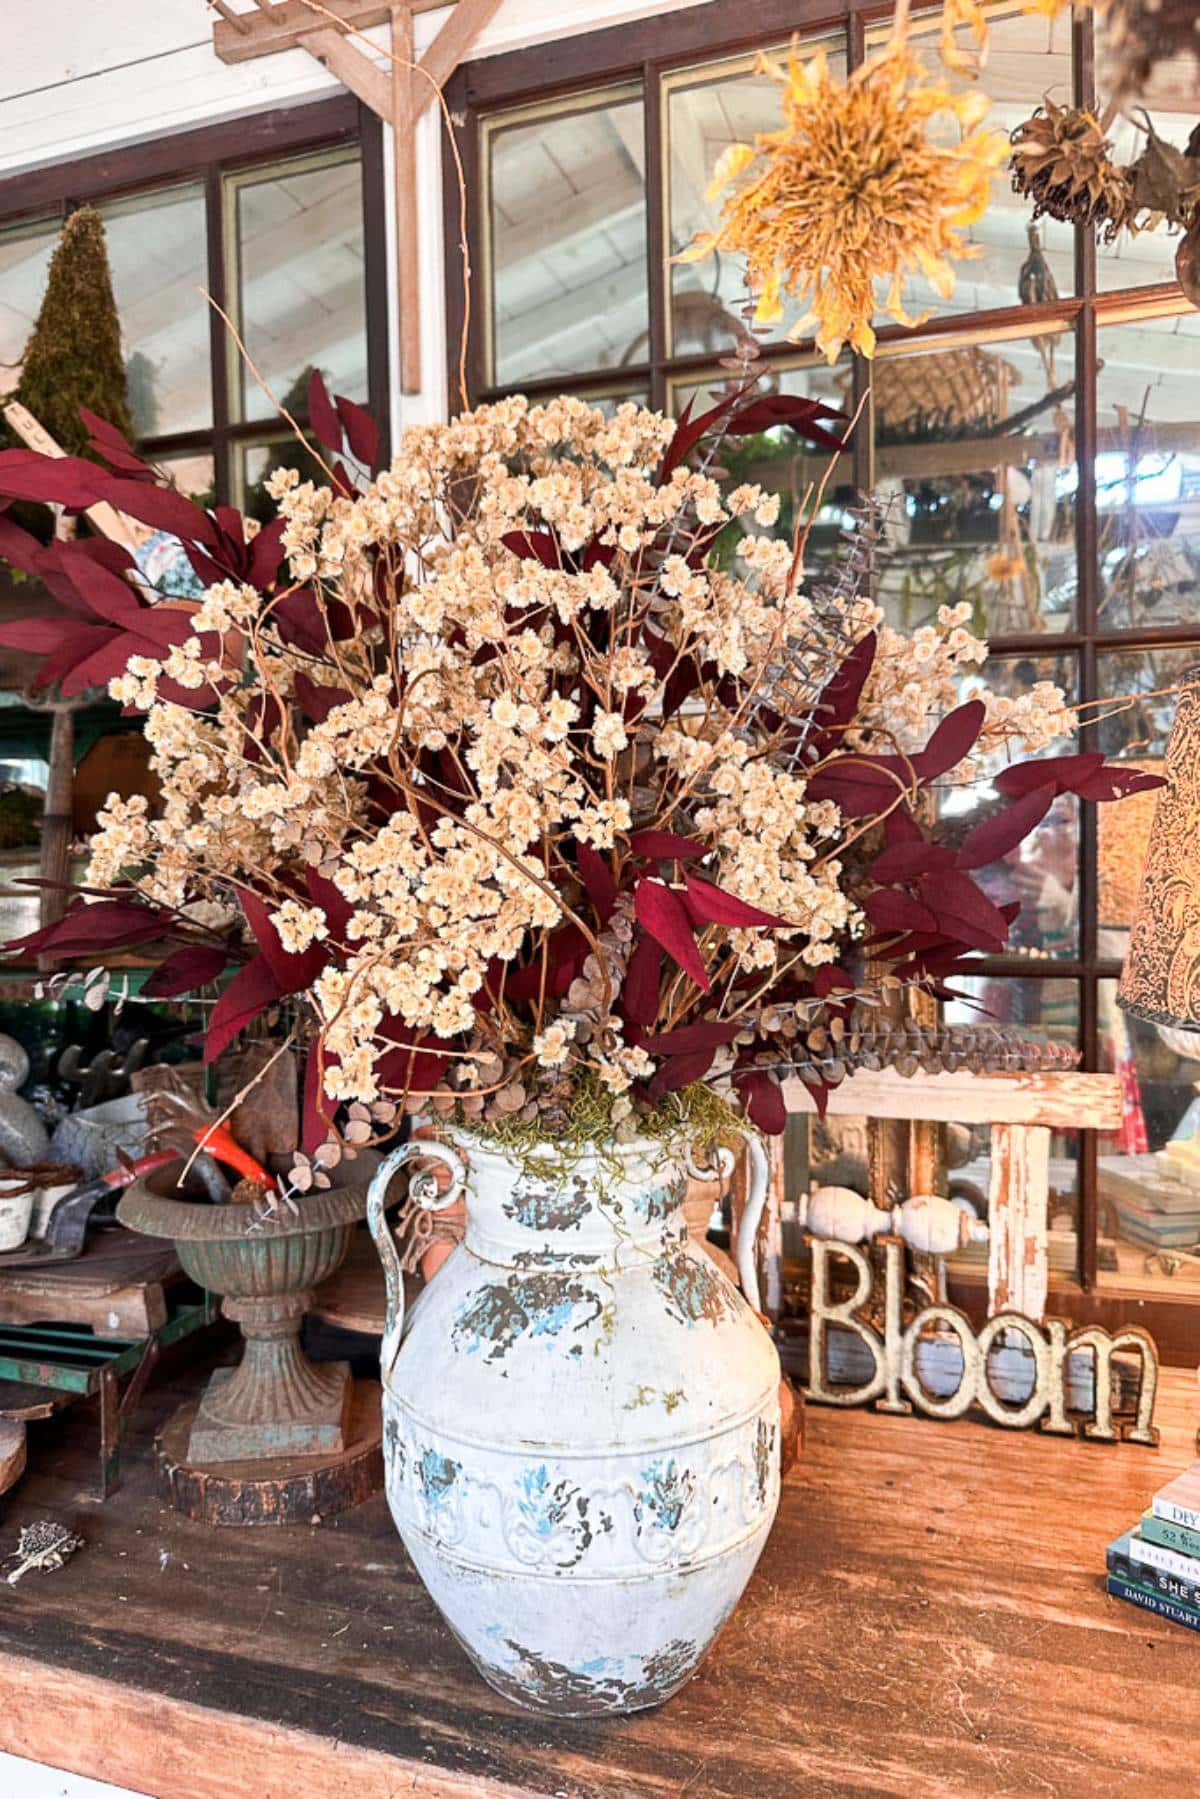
{"x":1138,"y":734}
{"x":192,"y":473}
{"x":261,"y":460}
{"x":1169,"y":96}
{"x":1148,"y":473}
{"x":975,"y":449}
{"x":778,"y":460}
{"x":705,"y":110}
{"x":25,"y":253}
{"x":567,"y":220}
{"x":1017,"y":261}
{"x":157,"y":250}
{"x":302,"y":301}
{"x":1148,"y":1179}
{"x":1046,"y":1011}
{"x":1042,"y":873}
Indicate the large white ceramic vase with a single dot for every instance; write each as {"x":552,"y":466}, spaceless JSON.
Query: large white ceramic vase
{"x":581,"y":1422}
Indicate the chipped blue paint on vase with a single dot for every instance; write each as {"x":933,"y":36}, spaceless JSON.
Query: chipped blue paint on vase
{"x":581,"y":1422}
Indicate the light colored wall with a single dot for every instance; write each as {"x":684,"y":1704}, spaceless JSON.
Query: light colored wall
{"x":83,"y":75}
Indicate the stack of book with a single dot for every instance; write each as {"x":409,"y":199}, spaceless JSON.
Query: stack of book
{"x":1157,"y":1565}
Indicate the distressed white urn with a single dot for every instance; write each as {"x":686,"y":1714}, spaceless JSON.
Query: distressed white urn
{"x":581,"y":1421}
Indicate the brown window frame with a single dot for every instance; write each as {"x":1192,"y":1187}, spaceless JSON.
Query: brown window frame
{"x":206,"y":155}
{"x":650,"y":48}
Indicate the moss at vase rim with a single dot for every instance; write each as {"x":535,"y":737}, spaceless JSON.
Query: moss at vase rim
{"x":696,"y":1118}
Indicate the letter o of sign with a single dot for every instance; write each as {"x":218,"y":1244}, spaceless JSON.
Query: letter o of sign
{"x":1014,"y":1417}
{"x":958,"y":1402}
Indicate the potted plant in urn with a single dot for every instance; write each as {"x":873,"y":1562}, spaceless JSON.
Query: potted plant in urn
{"x":542,"y":829}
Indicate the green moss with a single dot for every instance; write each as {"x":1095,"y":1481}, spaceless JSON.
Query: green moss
{"x":696,"y":1116}
{"x":73,"y":356}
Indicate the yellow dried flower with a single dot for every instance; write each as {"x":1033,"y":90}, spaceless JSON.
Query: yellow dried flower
{"x":852,"y":189}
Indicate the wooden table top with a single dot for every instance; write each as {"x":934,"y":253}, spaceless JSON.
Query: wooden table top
{"x":928,"y":1618}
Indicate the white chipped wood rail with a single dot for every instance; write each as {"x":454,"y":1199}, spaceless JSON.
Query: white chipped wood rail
{"x":1022,"y":1110}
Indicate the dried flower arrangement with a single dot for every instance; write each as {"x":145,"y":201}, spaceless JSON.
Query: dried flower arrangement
{"x":852,"y":189}
{"x":518,"y":807}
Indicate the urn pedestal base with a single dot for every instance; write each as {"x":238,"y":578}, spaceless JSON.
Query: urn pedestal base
{"x":275,"y":1402}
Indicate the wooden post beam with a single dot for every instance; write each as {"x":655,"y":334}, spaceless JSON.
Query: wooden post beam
{"x":398,"y":101}
{"x":449,"y":47}
{"x":283,"y":25}
{"x":404,"y":173}
{"x":352,"y":67}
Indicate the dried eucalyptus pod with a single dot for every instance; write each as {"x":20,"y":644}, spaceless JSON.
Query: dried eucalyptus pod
{"x":1061,"y":162}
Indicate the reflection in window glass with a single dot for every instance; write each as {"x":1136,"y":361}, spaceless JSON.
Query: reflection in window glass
{"x":1041,"y":873}
{"x":1148,"y":473}
{"x":1143,"y":681}
{"x":301,"y":288}
{"x":781,"y":462}
{"x":25,"y":253}
{"x":259,"y":461}
{"x":975,"y":452}
{"x":191,"y":474}
{"x":567,"y":221}
{"x":1017,"y":261}
{"x":1147,"y":258}
{"x":157,"y":250}
{"x":706,"y":110}
{"x":1044,"y":1011}
{"x":1149,"y":1171}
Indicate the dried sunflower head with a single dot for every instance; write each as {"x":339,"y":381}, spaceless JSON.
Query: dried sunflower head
{"x":1061,"y":162}
{"x":852,"y":189}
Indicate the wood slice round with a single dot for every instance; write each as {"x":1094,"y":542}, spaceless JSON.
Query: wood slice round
{"x":292,"y":1490}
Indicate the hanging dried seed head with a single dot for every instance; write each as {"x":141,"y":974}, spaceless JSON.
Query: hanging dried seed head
{"x":1187,"y":262}
{"x":1140,"y":34}
{"x":1061,"y":162}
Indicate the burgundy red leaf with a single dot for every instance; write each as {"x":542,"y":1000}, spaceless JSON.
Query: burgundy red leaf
{"x":252,"y":989}
{"x":186,"y":969}
{"x":709,"y":904}
{"x":321,"y":413}
{"x":661,"y":911}
{"x":999,"y":835}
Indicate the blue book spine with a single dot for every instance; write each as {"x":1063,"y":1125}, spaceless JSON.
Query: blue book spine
{"x":1153,"y":1602}
{"x":1155,"y":1580}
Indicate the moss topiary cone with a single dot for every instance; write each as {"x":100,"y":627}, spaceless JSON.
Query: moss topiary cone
{"x":73,"y":357}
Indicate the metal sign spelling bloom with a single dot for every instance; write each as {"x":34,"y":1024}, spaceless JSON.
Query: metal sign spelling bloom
{"x":896,"y":1386}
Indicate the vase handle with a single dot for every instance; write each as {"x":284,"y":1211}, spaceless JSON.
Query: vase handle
{"x":422,"y":1191}
{"x":752,"y":1211}
{"x":720,"y":1168}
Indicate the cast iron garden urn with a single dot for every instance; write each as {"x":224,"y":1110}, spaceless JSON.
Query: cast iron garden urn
{"x":276,"y":1402}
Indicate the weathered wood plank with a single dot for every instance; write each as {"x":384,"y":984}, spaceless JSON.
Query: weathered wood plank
{"x":1018,"y":1255}
{"x":265,"y":33}
{"x":448,"y":48}
{"x":1062,"y":1100}
{"x":350,"y":64}
{"x":940,"y":1586}
{"x":175,"y":1747}
{"x":408,"y":229}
